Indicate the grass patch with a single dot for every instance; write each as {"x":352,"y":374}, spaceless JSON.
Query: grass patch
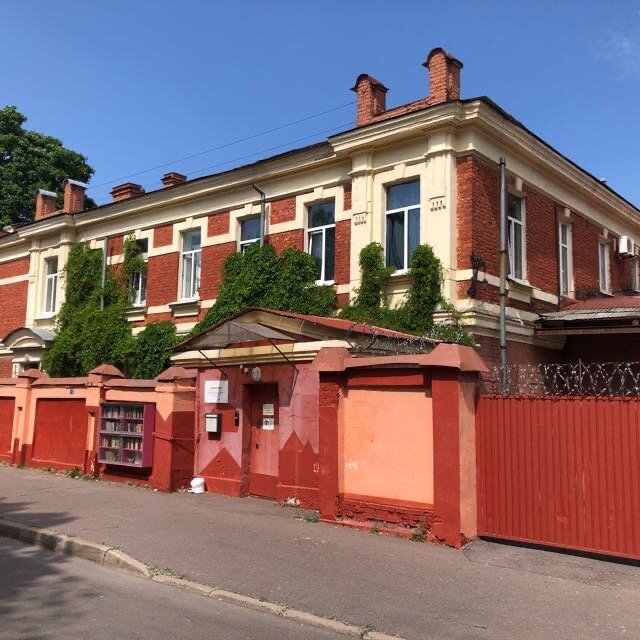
{"x":164,"y":571}
{"x":420,"y":533}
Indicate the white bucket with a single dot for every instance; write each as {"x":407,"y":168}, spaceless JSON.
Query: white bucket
{"x":197,"y":485}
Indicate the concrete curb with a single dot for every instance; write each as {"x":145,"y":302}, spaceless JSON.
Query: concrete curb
{"x":72,"y":546}
{"x":114,"y":558}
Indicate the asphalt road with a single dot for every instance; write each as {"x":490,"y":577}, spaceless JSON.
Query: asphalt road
{"x":257,"y":548}
{"x":47,"y":595}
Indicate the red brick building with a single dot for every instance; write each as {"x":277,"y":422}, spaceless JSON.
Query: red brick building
{"x":423,"y":172}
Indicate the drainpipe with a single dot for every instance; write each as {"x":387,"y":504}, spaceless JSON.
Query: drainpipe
{"x":103,"y":279}
{"x":262,"y":212}
{"x":503,"y":276}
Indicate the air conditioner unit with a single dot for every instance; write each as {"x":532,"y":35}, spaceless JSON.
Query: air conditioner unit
{"x":626,"y":246}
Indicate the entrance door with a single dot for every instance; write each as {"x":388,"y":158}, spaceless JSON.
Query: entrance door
{"x":263,"y":469}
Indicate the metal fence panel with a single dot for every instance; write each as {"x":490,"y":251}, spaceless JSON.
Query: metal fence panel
{"x":560,"y":471}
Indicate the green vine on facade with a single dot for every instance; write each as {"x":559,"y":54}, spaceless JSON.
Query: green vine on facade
{"x":133,"y":266}
{"x":260,"y":277}
{"x":92,"y":328}
{"x":414,"y":314}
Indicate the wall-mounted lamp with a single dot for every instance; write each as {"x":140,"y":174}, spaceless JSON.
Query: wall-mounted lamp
{"x":477,"y":264}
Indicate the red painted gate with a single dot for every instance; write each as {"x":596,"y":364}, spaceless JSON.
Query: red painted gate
{"x":560,"y":471}
{"x":7,"y":408}
{"x":60,"y":436}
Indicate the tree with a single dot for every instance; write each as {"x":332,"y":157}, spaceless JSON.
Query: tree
{"x":260,"y":277}
{"x":29,"y":161}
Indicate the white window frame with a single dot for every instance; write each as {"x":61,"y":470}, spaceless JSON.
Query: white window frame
{"x":405,"y":211}
{"x":604,"y":266}
{"x":139,"y":280}
{"x":322,"y":230}
{"x":635,"y":272}
{"x":511,"y":222}
{"x":243,"y":244}
{"x":50,"y":284}
{"x":568,"y":267}
{"x":190,"y":290}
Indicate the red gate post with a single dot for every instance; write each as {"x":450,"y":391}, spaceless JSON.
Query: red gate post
{"x":95,"y":395}
{"x":327,"y":362}
{"x":175,"y":429}
{"x":23,"y":434}
{"x":453,"y":397}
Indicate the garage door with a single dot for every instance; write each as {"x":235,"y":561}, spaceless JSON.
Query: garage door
{"x":7,"y":406}
{"x":60,"y":436}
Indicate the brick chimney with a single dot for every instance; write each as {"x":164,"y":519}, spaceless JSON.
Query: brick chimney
{"x":372,"y":98}
{"x":172,"y":179}
{"x":444,"y":76}
{"x":74,"y":196}
{"x":125,"y":191}
{"x":45,"y":203}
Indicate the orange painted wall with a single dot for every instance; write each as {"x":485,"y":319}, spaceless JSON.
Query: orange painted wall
{"x":386,"y":444}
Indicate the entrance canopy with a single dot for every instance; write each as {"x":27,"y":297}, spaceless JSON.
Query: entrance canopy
{"x":231,"y":332}
{"x":614,"y":314}
{"x":260,"y":334}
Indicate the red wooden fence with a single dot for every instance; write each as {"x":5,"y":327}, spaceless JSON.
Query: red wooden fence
{"x":560,"y":471}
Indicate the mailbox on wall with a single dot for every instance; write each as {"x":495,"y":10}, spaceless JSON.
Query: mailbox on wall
{"x":213,"y":422}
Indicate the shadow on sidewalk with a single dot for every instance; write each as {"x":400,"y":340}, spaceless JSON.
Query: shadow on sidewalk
{"x":18,"y":511}
{"x":27,"y":571}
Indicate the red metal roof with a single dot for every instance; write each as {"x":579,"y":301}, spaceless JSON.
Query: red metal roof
{"x":342,"y":324}
{"x":606,"y":302}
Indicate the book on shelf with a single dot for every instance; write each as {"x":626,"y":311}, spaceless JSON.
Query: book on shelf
{"x":111,"y":456}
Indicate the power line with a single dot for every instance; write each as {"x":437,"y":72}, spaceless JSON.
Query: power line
{"x":222,"y":146}
{"x":280,"y":146}
{"x":257,"y":153}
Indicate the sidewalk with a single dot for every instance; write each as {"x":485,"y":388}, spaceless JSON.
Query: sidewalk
{"x":256,"y":547}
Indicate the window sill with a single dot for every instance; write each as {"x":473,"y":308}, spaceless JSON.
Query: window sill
{"x":519,"y":289}
{"x":606,"y":293}
{"x":183,"y":308}
{"x":399,"y":280}
{"x":45,"y":316}
{"x":135,"y":313}
{"x":325,"y":283}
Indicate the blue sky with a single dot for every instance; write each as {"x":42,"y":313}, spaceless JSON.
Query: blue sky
{"x":133,"y":85}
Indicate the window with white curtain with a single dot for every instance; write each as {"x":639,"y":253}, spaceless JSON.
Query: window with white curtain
{"x":139,"y":279}
{"x":566,"y":259}
{"x":321,"y":239}
{"x":635,"y":273}
{"x":603,"y":259}
{"x":50,"y":285}
{"x":516,"y":236}
{"x":191,"y":253}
